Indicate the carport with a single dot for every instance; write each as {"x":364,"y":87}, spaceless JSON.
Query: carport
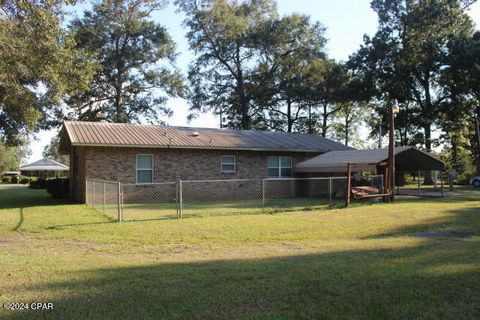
{"x":374,"y":160}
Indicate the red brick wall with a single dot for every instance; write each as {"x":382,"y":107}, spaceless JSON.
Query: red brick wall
{"x":118,"y":164}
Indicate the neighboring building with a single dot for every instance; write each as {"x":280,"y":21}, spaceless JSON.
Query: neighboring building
{"x":133,"y":153}
{"x":45,"y":168}
{"x":10,"y":173}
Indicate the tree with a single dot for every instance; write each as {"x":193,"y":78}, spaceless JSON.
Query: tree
{"x":347,"y":121}
{"x":38,"y":66}
{"x":11,"y":157}
{"x":136,"y":57}
{"x":52,"y":151}
{"x":327,"y":91}
{"x":221,"y":34}
{"x":291,"y":48}
{"x":406,"y":56}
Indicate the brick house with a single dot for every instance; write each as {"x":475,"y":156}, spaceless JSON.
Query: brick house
{"x":143,"y":154}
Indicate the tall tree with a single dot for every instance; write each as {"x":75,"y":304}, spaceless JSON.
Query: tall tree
{"x":38,"y":66}
{"x":327,"y":91}
{"x":407,"y":54}
{"x":221,"y":35}
{"x":291,"y":49}
{"x":136,"y":57}
{"x":347,"y":121}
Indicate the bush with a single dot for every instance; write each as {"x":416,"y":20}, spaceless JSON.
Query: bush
{"x":20,"y":179}
{"x":58,"y":187}
{"x":6,"y":179}
{"x":40,"y":183}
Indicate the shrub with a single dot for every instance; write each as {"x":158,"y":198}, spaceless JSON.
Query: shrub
{"x":6,"y":179}
{"x":40,"y":183}
{"x":20,"y":179}
{"x":58,"y":187}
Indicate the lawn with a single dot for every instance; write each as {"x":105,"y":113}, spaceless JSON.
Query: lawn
{"x":416,"y":259}
{"x":202,"y":208}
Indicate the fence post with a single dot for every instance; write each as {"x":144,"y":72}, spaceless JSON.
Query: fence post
{"x":349,"y":184}
{"x":119,"y":202}
{"x":94,"y":200}
{"x":177,"y":198}
{"x":104,"y":198}
{"x":330,"y":189}
{"x":86,"y":192}
{"x":180,"y":198}
{"x":263,"y":194}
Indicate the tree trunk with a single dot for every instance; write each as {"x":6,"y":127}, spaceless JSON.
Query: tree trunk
{"x":428,"y":146}
{"x":324,"y":120}
{"x":289,"y":116}
{"x":477,"y":139}
{"x":310,"y":124}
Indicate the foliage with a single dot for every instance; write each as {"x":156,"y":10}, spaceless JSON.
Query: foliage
{"x":222,"y":34}
{"x":39,"y":183}
{"x":11,"y":157}
{"x":38,"y":66}
{"x":58,"y":187}
{"x":136,"y":57}
{"x":52,"y":151}
{"x":347,"y":121}
{"x":291,"y":54}
{"x":405,"y":58}
{"x":6,"y":179}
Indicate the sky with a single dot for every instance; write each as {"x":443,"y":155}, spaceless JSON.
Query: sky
{"x":346,"y":22}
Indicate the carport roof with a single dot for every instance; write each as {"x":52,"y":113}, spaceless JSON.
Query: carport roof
{"x":406,"y":158}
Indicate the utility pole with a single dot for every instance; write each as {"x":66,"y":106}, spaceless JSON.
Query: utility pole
{"x":393,"y":109}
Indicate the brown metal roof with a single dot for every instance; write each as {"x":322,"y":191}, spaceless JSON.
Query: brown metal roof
{"x":137,"y":135}
{"x":406,"y":158}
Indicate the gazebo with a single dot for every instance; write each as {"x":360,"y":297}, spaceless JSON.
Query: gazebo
{"x":45,"y":168}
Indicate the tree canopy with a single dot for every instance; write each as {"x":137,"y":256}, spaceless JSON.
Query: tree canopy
{"x":38,"y":66}
{"x":136,"y":55}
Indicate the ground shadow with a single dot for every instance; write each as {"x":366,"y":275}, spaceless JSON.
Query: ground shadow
{"x":409,"y":283}
{"x":24,"y":198}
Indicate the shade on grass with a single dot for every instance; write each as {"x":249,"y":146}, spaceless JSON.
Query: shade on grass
{"x":366,"y":262}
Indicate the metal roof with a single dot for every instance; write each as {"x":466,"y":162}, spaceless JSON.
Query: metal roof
{"x":44,"y":165}
{"x":137,"y":135}
{"x":406,"y":158}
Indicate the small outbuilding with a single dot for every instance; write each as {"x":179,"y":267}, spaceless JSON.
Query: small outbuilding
{"x":45,"y":168}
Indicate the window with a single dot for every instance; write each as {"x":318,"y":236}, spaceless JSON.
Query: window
{"x":228,"y":164}
{"x":144,"y":168}
{"x":279,"y":167}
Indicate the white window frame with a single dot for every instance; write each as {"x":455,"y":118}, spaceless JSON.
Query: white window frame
{"x":280,"y":167}
{"x":234,"y":164}
{"x":136,"y":168}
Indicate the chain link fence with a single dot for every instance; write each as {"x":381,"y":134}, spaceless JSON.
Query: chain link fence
{"x":105,"y":197}
{"x":202,"y":198}
{"x":149,"y":201}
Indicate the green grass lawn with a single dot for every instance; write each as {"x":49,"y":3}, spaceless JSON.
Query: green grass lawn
{"x":416,"y":259}
{"x":202,"y":208}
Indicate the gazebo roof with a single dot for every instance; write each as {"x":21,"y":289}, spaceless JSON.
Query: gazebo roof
{"x":406,"y":158}
{"x":44,"y":165}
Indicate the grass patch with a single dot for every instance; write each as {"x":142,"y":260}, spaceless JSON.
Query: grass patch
{"x":365,"y":262}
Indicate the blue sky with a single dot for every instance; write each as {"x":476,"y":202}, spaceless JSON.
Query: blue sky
{"x":346,"y":22}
